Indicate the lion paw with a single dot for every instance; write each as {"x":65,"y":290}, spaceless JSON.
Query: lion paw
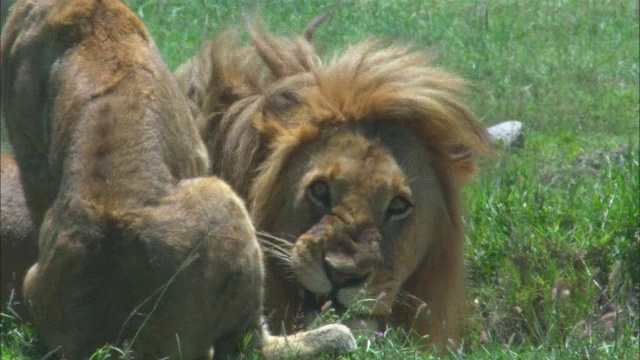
{"x":334,"y":338}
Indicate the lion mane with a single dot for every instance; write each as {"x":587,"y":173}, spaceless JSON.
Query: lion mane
{"x":352,"y":171}
{"x":136,"y":246}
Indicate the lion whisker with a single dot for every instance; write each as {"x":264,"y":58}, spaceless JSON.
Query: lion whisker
{"x":267,"y":236}
{"x":279,"y":255}
{"x":277,"y":248}
{"x":284,"y":248}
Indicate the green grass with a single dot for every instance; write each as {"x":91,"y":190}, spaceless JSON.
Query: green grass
{"x":553,"y":239}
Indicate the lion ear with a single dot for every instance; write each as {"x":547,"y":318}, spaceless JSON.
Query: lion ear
{"x":278,"y":104}
{"x":463,"y":164}
{"x":277,"y":109}
{"x":285,"y":57}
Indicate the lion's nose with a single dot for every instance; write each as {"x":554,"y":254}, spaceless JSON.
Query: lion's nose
{"x":343,"y":270}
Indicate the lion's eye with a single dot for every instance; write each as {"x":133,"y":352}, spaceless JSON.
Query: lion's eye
{"x":399,"y":207}
{"x":318,"y":192}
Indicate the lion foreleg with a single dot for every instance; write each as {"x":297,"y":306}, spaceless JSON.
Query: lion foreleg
{"x":334,"y":338}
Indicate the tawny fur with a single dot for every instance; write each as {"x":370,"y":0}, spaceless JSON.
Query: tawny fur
{"x":18,"y":235}
{"x":372,"y":104}
{"x":135,"y":247}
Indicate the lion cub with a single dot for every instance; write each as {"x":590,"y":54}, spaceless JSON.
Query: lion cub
{"x":136,"y":247}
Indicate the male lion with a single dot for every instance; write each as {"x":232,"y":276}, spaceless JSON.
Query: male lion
{"x":352,"y":171}
{"x":134,"y":248}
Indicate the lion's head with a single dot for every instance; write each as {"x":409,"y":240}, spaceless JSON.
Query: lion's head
{"x":352,"y":171}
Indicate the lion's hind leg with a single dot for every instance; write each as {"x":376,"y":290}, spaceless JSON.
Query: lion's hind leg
{"x":169,"y":279}
{"x":202,"y":239}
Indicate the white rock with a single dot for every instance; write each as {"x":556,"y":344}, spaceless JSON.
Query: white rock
{"x":508,"y":133}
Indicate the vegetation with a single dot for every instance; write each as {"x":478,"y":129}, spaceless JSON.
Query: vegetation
{"x":553,"y":251}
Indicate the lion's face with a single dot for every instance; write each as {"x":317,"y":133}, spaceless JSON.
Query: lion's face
{"x":360,"y":206}
{"x":352,"y":171}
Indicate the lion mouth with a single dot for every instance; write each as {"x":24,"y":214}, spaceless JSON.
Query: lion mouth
{"x":341,"y":280}
{"x":319,"y":303}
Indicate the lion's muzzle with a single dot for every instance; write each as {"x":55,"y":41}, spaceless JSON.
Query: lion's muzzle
{"x":334,"y":255}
